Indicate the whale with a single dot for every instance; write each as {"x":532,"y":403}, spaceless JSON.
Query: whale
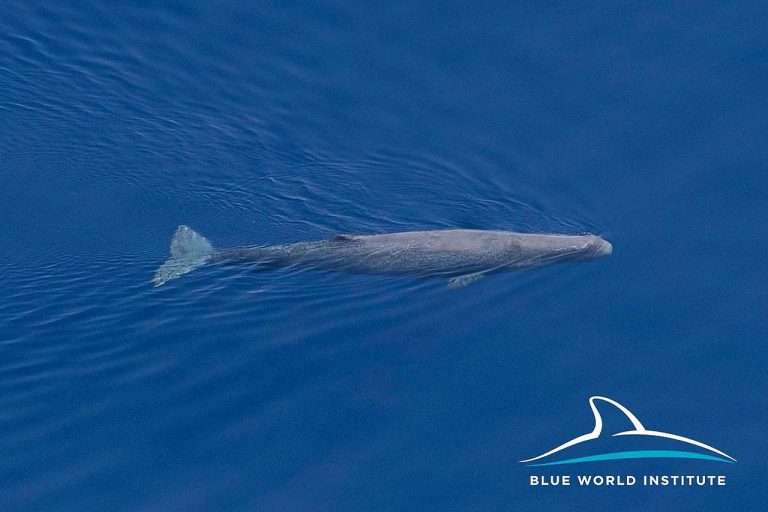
{"x":664,"y":445}
{"x":463,"y":256}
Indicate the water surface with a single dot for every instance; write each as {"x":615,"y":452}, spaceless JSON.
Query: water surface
{"x":301,"y":390}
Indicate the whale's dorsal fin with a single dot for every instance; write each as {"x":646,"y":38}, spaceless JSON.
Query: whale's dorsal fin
{"x":344,"y":238}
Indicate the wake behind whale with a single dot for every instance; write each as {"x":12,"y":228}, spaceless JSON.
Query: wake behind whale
{"x":462,"y":255}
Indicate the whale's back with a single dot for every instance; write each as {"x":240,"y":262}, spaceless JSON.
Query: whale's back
{"x":446,"y":252}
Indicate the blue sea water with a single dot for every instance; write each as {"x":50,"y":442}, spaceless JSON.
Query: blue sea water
{"x":296,"y":390}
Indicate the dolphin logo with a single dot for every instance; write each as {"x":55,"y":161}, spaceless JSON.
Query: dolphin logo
{"x":638,"y":430}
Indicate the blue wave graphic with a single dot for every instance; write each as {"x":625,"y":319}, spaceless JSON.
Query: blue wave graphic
{"x":642,"y":454}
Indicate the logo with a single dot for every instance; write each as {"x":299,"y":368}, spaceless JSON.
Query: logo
{"x":664,"y":444}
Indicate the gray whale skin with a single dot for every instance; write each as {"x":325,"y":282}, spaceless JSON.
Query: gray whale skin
{"x":462,"y":255}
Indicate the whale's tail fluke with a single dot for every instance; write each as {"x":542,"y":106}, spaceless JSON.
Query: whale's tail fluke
{"x":189,"y":250}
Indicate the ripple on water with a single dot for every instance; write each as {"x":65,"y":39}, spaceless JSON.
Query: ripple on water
{"x":119,"y":123}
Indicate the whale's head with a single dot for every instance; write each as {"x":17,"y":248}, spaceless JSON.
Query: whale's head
{"x":596,"y":247}
{"x":548,"y":249}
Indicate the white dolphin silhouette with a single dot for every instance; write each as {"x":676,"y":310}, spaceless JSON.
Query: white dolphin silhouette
{"x":639,"y":430}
